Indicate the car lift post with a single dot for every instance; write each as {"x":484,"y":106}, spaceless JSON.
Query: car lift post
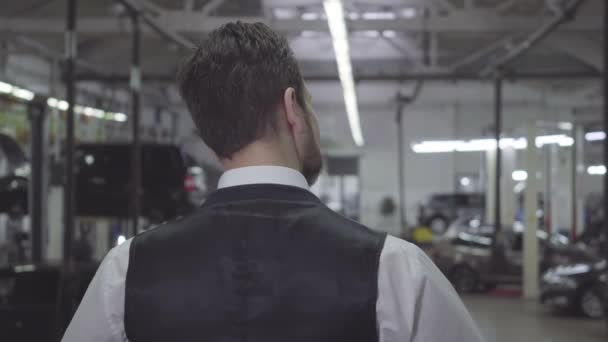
{"x":135,"y":86}
{"x":37,"y":116}
{"x":497,"y":181}
{"x":70,"y":82}
{"x":605,"y":73}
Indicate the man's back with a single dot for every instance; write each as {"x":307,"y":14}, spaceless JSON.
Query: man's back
{"x":255,"y":263}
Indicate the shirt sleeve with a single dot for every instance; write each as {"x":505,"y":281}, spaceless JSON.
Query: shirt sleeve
{"x":100,"y":316}
{"x":416,"y":303}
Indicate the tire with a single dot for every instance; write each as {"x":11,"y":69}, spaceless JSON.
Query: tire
{"x":464,"y":279}
{"x":438,"y":225}
{"x":590,"y":303}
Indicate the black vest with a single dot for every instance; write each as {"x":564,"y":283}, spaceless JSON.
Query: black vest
{"x":257,"y":263}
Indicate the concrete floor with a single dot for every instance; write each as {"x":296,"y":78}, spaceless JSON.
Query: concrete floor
{"x":514,"y":319}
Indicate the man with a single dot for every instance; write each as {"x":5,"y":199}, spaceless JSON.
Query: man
{"x":263,"y":259}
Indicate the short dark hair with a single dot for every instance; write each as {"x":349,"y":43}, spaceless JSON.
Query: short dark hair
{"x":233,"y":83}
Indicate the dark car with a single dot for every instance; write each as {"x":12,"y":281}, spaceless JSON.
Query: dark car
{"x":464,"y":255}
{"x":104,"y":183}
{"x":32,"y":307}
{"x":442,"y":209}
{"x":580,"y":287}
{"x":14,"y":175}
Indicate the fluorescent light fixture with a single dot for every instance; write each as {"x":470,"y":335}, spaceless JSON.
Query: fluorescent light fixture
{"x":284,"y":13}
{"x":6,"y":88}
{"x":475,"y":145}
{"x":353,"y":16}
{"x":409,"y":13}
{"x":80,"y":110}
{"x":63,"y":105}
{"x":379,"y":15}
{"x":566,"y":126}
{"x":370,"y":34}
{"x":389,"y":34}
{"x":559,"y":139}
{"x":437,"y":146}
{"x":465,"y":181}
{"x":595,"y":136}
{"x":120,"y":117}
{"x":309,"y":34}
{"x":52,"y":102}
{"x":339,"y":34}
{"x":310,"y":16}
{"x":596,"y":170}
{"x":519,"y":175}
{"x":23,"y":94}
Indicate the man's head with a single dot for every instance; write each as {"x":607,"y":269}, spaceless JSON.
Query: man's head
{"x":246,"y":95}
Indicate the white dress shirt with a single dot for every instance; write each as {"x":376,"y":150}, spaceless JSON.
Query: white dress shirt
{"x":415,"y":301}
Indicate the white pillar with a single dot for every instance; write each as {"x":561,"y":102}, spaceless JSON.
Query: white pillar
{"x":54,"y":248}
{"x":102,"y":231}
{"x":579,"y":198}
{"x":490,"y":184}
{"x":507,"y":184}
{"x":531,"y":257}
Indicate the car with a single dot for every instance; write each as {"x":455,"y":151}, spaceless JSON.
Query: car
{"x":31,"y":306}
{"x":580,"y":287}
{"x":464,"y":255}
{"x":14,"y":176}
{"x":442,"y":209}
{"x":104,"y":187}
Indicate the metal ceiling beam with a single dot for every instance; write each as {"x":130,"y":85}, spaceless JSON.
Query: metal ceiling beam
{"x":579,"y":47}
{"x":567,"y":14}
{"x":194,"y":23}
{"x":162,"y":30}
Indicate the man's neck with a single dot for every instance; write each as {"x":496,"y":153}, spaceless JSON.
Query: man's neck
{"x":260,"y":154}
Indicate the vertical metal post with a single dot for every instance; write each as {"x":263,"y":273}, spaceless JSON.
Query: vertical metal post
{"x":401,"y":167}
{"x":36,"y":115}
{"x":69,"y":200}
{"x":497,"y":133}
{"x":606,"y":130}
{"x":135,"y":115}
{"x":574,"y":185}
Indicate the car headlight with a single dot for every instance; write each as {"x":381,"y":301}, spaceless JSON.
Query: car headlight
{"x":572,"y":269}
{"x":598,"y":266}
{"x":552,"y":278}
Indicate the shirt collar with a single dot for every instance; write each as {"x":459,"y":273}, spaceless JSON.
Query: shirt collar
{"x":266,"y":174}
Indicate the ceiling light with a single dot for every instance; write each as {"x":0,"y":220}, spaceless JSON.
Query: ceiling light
{"x":596,"y":170}
{"x":566,"y":126}
{"x":309,"y":34}
{"x":519,"y":175}
{"x":52,"y":102}
{"x":310,"y":16}
{"x":389,"y":34}
{"x":595,"y":136}
{"x":409,"y":13}
{"x":283,"y":13}
{"x":63,"y":105}
{"x":23,"y":94}
{"x":370,"y":34}
{"x":6,"y":88}
{"x":559,"y":139}
{"x":120,"y":117}
{"x":378,"y":16}
{"x":337,"y":27}
{"x":465,"y":181}
{"x":437,"y":146}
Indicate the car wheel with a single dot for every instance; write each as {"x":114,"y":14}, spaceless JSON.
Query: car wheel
{"x":591,"y":303}
{"x":438,"y":225}
{"x":464,"y":279}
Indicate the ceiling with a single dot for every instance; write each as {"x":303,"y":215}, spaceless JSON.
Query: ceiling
{"x":390,"y":40}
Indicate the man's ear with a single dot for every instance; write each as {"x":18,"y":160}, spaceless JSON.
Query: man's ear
{"x":293,"y":113}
